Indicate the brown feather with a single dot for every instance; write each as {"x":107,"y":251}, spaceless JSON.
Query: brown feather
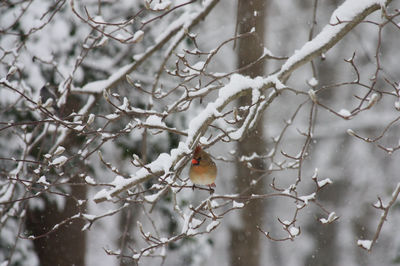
{"x":197,"y":151}
{"x":205,"y":172}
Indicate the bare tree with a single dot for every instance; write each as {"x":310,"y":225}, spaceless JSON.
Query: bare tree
{"x":106,"y":102}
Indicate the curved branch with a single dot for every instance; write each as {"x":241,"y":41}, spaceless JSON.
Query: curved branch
{"x":101,"y":85}
{"x":343,"y":20}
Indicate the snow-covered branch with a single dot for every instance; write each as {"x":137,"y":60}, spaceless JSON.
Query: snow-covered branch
{"x":368,"y":244}
{"x":145,"y":83}
{"x":343,"y":20}
{"x":187,"y":21}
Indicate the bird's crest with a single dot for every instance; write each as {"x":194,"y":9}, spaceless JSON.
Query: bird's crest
{"x":197,"y":150}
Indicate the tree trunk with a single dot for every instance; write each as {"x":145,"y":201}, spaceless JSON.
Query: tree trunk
{"x":67,"y":245}
{"x":245,"y":241}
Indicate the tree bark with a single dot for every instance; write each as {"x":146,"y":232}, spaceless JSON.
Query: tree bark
{"x":245,"y":241}
{"x":66,"y":245}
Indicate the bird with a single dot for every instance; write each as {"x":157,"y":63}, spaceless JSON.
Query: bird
{"x":203,"y":170}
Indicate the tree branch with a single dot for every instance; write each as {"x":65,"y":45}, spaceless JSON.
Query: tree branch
{"x":342,"y":22}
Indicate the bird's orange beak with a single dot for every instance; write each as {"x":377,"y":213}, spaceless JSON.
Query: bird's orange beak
{"x":194,"y":161}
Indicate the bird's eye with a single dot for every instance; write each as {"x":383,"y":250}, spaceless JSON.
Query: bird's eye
{"x":199,"y":159}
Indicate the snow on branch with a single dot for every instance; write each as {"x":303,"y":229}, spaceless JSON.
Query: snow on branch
{"x":342,"y":21}
{"x":238,"y":85}
{"x":368,"y":244}
{"x":186,"y":22}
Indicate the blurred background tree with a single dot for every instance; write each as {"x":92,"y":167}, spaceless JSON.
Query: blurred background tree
{"x":245,"y":242}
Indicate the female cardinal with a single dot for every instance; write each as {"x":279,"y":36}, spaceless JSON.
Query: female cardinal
{"x":203,"y":170}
